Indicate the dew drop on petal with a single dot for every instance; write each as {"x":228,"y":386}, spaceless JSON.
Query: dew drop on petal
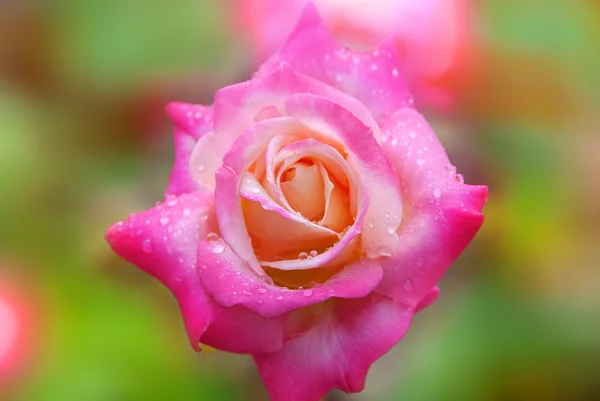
{"x":216,"y":243}
{"x":200,"y":168}
{"x":395,"y":72}
{"x":313,"y":253}
{"x":164,"y":221}
{"x":262,"y":290}
{"x":147,"y":246}
{"x":408,"y":284}
{"x":307,"y":293}
{"x":255,"y":190}
{"x":420,"y":162}
{"x":437,"y":193}
{"x":187,"y":212}
{"x":460,"y":178}
{"x":279,"y":298}
{"x":391,"y":230}
{"x":303,"y":256}
{"x":212,"y":238}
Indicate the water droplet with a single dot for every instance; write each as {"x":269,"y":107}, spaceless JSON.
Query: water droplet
{"x":419,"y":262}
{"x":412,"y":134}
{"x":279,"y":298}
{"x":307,"y":293}
{"x":200,"y":168}
{"x":313,"y":253}
{"x":395,"y":72}
{"x":391,"y":230}
{"x":394,"y":142}
{"x":172,"y":202}
{"x":460,"y":178}
{"x":303,"y":256}
{"x":216,"y":243}
{"x":437,"y":193}
{"x":187,"y":212}
{"x":262,"y":290}
{"x":385,"y":251}
{"x":147,"y":246}
{"x":408,"y":284}
{"x":164,"y":221}
{"x":420,"y":162}
{"x":374,"y":67}
{"x":371,"y":225}
{"x":255,"y":190}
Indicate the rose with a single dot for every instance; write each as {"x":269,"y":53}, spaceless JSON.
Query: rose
{"x":432,"y":35}
{"x":310,"y":213}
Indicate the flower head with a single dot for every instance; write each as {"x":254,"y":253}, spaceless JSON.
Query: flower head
{"x":310,"y":213}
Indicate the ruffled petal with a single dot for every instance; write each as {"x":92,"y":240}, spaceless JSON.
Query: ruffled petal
{"x":191,"y":122}
{"x":163,"y":241}
{"x":442,"y":215}
{"x":230,"y":281}
{"x":373,"y":167}
{"x":337,"y":348}
{"x":238,"y":106}
{"x":375,"y":78}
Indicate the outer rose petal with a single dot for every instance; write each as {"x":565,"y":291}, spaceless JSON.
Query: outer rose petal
{"x":232,"y":282}
{"x":337,"y":351}
{"x":442,"y":215}
{"x":374,"y":79}
{"x":191,"y":122}
{"x":163,"y":241}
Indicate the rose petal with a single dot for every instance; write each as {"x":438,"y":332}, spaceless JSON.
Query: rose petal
{"x":372,"y":165}
{"x":429,"y":299}
{"x":442,"y":215}
{"x":191,"y":122}
{"x":163,"y":241}
{"x":375,"y":79}
{"x":337,"y":351}
{"x":303,"y":191}
{"x":337,"y":209}
{"x":281,"y":230}
{"x":236,"y":107}
{"x":230,"y":281}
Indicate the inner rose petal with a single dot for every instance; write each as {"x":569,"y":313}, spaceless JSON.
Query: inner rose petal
{"x":276,"y":232}
{"x":337,"y":209}
{"x":303,"y":187}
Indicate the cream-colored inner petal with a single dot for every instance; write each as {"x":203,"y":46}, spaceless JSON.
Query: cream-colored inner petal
{"x":337,"y":214}
{"x":302,"y":186}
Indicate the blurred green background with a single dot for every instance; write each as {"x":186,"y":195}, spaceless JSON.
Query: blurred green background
{"x":84,"y":141}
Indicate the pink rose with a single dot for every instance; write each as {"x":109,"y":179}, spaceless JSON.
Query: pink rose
{"x":310,"y":213}
{"x":432,"y":35}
